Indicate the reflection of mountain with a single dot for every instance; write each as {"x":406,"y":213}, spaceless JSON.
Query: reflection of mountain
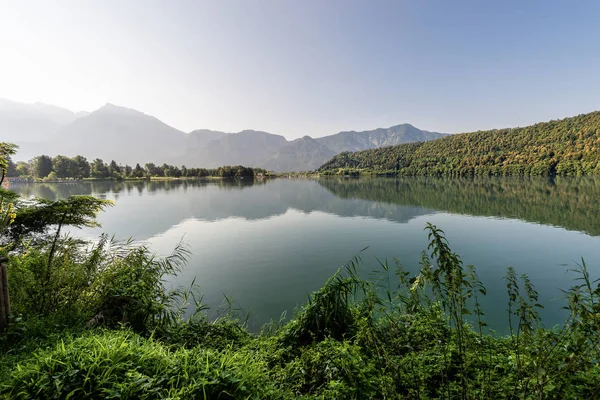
{"x":564,"y":202}
{"x":151,"y":208}
{"x":307,"y":196}
{"x":145,"y":209}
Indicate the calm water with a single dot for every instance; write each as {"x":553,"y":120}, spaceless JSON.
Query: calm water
{"x":268,"y":244}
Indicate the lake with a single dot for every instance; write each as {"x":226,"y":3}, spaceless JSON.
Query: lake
{"x":268,"y":244}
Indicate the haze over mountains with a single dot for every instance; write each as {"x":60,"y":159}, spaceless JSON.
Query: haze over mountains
{"x":129,"y":136}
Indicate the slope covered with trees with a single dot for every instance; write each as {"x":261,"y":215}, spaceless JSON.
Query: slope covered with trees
{"x":569,"y":147}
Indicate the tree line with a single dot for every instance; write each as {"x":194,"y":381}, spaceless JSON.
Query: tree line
{"x":78,"y":167}
{"x":567,"y":147}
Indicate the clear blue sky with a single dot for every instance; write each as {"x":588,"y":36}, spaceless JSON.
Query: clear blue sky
{"x":307,"y":66}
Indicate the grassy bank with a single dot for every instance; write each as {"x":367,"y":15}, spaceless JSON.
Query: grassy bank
{"x":98,"y":323}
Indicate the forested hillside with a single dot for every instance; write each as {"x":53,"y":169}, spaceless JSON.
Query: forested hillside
{"x":570,"y":146}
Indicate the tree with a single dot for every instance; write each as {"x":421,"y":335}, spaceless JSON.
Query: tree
{"x":23,"y":169}
{"x":42,"y":215}
{"x":6,"y":150}
{"x":98,"y":169}
{"x":12,"y":168}
{"x":39,"y":215}
{"x":202,"y":172}
{"x":7,"y":198}
{"x":137,"y":172}
{"x":41,"y":166}
{"x":127,"y":171}
{"x":152,"y":169}
{"x":225,"y":171}
{"x":165,"y":169}
{"x":64,"y":167}
{"x":171,"y":171}
{"x":114,"y":170}
{"x":82,"y":169}
{"x":7,"y":209}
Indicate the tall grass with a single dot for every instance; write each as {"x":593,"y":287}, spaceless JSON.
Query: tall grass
{"x":394,"y":335}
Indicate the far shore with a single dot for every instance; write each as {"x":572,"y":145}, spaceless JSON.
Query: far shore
{"x":165,"y":178}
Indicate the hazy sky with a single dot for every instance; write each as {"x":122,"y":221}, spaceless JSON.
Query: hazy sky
{"x":307,"y":67}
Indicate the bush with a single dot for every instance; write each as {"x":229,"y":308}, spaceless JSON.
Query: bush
{"x":333,"y":370}
{"x":112,"y":283}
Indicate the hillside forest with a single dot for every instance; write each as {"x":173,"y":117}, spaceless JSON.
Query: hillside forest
{"x":567,"y":147}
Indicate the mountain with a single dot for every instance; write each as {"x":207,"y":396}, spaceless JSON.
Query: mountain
{"x":273,"y":152}
{"x":28,"y":123}
{"x":111,"y":133}
{"x":354,"y":141}
{"x":122,"y":134}
{"x":80,"y":114}
{"x":305,"y":154}
{"x":201,"y":137}
{"x":570,"y":146}
{"x":15,"y":110}
{"x":129,"y":136}
{"x":248,"y":148}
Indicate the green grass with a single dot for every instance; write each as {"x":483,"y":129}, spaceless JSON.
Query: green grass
{"x":122,"y":364}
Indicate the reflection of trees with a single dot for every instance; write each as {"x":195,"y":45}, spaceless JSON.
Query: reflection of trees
{"x":569,"y":203}
{"x":53,"y":191}
{"x":166,"y":186}
{"x":208,"y":200}
{"x":219,"y":199}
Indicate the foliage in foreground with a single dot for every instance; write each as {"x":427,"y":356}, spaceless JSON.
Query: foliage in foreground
{"x":396,"y":336}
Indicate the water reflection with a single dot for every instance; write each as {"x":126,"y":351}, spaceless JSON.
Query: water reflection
{"x":562,"y":202}
{"x":156,"y":206}
{"x":270,"y":243}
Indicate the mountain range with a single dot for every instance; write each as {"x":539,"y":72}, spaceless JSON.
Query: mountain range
{"x":129,"y":136}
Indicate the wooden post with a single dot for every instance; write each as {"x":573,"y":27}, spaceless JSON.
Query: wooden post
{"x":4,"y":299}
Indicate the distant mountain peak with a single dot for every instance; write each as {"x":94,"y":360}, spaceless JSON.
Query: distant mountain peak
{"x":404,"y":125}
{"x":381,"y":137}
{"x":207,"y":132}
{"x":110,"y":107}
{"x":252,"y":131}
